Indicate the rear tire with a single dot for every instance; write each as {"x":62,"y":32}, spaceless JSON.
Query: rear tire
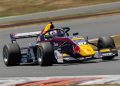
{"x":11,"y":54}
{"x":45,"y":54}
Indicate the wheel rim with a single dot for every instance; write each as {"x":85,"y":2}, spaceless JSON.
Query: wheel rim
{"x":39,"y":55}
{"x":5,"y":55}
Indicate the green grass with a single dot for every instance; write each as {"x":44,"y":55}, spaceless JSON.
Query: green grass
{"x":19,"y":7}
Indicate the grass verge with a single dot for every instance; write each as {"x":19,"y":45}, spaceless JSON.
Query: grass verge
{"x":19,"y":7}
{"x":117,"y":41}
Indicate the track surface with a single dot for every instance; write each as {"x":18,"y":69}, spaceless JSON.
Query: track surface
{"x":92,"y":27}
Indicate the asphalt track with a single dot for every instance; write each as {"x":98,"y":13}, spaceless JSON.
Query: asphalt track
{"x":92,"y":27}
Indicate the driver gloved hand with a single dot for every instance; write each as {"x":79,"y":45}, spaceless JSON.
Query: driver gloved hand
{"x":48,"y":36}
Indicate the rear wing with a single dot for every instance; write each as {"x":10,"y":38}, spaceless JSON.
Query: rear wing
{"x":15,"y":36}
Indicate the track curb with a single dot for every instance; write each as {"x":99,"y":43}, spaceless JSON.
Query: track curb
{"x":60,"y":80}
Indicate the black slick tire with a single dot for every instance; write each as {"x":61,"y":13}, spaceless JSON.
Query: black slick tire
{"x":45,"y":54}
{"x":106,"y":42}
{"x":11,"y":54}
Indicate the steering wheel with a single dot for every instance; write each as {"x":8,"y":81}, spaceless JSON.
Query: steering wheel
{"x":66,"y":30}
{"x":55,"y":32}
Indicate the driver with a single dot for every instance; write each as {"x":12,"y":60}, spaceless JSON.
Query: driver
{"x":56,"y":33}
{"x":53,"y":32}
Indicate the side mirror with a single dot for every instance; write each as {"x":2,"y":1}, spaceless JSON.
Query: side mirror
{"x":74,"y":34}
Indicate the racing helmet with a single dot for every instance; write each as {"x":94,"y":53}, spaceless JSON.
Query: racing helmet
{"x":57,"y":33}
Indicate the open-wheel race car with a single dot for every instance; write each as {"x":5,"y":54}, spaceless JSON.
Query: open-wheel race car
{"x":56,"y":46}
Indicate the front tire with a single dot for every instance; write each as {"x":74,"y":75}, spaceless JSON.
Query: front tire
{"x":11,"y":54}
{"x":104,"y":43}
{"x":108,"y":58}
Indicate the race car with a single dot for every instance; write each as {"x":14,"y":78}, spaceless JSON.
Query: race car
{"x":56,"y":47}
